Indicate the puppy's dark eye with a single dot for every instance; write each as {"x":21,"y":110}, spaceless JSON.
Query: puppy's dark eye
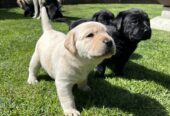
{"x":90,"y":35}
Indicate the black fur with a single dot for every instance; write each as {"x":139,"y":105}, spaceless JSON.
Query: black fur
{"x":132,"y":26}
{"x":52,"y":6}
{"x":103,"y":16}
{"x":28,"y":10}
{"x":77,"y":22}
{"x":53,"y":9}
{"x":128,"y":29}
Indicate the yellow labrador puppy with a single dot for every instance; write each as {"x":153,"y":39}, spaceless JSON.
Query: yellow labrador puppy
{"x":69,"y":58}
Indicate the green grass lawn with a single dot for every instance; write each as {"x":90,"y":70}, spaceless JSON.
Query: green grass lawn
{"x":143,"y":91}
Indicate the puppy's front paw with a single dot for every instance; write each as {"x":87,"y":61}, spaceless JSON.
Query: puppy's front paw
{"x":34,"y":17}
{"x":38,"y":17}
{"x":32,"y":80}
{"x":72,"y":112}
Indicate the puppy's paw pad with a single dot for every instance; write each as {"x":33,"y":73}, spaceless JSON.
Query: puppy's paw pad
{"x":72,"y":112}
{"x":32,"y":81}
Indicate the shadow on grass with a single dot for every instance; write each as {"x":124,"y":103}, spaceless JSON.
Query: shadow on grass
{"x":139,"y":72}
{"x":7,"y":14}
{"x":136,"y":56}
{"x":143,"y":73}
{"x":44,"y":77}
{"x":67,"y":19}
{"x":106,"y":95}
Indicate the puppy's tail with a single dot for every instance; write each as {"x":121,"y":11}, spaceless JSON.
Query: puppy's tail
{"x":45,"y":20}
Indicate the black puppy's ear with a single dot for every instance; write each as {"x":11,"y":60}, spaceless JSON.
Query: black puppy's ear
{"x":119,"y":19}
{"x":95,"y":16}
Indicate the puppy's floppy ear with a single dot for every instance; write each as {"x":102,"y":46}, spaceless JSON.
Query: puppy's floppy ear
{"x":69,"y":43}
{"x":95,"y":16}
{"x":119,"y":20}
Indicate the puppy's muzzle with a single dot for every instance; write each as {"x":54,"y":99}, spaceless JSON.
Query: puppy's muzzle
{"x":109,"y":43}
{"x":110,"y":47}
{"x":147,"y":33}
{"x":103,"y":46}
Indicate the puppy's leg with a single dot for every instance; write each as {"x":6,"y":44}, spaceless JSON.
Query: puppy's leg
{"x":36,"y":10}
{"x":40,"y":2}
{"x":121,"y":61}
{"x":119,"y":66}
{"x":33,"y":68}
{"x":100,"y":69}
{"x":20,"y":3}
{"x":83,"y":86}
{"x":64,"y":90}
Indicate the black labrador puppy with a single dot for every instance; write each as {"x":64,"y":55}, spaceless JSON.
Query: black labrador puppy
{"x":53,"y":9}
{"x":103,"y":16}
{"x":128,"y":28}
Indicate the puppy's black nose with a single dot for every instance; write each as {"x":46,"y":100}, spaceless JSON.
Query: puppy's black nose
{"x":108,"y":43}
{"x":146,"y":30}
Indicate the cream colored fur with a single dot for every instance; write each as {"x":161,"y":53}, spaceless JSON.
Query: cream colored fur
{"x":68,"y":59}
